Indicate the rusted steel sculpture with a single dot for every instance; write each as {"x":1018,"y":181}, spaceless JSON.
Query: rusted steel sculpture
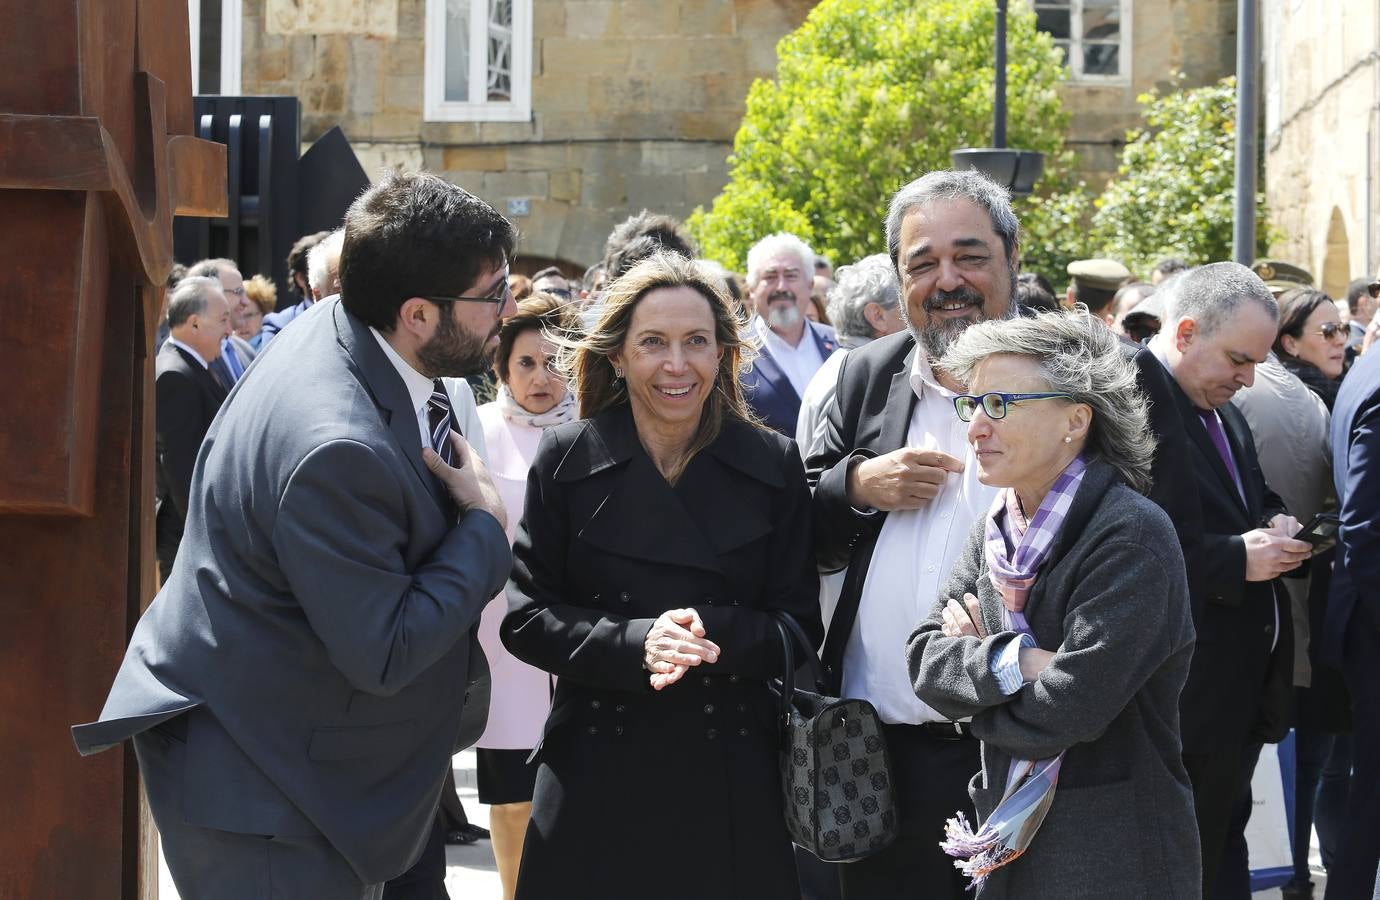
{"x":97,"y":154}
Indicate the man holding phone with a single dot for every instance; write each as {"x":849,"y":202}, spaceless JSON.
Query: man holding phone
{"x":1221,"y":324}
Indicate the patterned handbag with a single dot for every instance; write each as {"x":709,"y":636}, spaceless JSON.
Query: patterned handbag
{"x":835,"y":773}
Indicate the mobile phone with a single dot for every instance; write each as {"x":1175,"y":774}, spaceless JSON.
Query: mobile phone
{"x":1321,"y":531}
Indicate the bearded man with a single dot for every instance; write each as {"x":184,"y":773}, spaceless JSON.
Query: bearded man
{"x":296,"y":689}
{"x":780,"y":272}
{"x":896,"y":495}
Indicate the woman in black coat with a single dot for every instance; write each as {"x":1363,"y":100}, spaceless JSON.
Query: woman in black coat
{"x":659,"y":534}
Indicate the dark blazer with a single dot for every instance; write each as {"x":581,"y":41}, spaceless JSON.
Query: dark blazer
{"x":1238,"y":690}
{"x":317,"y":630}
{"x":870,"y":417}
{"x":1355,"y":599}
{"x":770,"y":393}
{"x":606,"y":546}
{"x":1112,"y":600}
{"x":186,"y":399}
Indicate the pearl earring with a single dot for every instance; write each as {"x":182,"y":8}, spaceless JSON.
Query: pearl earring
{"x":1068,"y":440}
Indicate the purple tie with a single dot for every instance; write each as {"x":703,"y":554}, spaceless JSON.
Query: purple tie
{"x":1219,"y":440}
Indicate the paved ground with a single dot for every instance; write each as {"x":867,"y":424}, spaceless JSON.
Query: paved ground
{"x":471,"y":875}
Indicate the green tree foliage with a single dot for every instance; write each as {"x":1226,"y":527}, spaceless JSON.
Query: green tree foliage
{"x":1172,"y":195}
{"x":868,"y":95}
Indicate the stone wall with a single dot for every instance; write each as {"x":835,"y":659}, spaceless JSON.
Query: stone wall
{"x":635,"y":102}
{"x":1322,"y":101}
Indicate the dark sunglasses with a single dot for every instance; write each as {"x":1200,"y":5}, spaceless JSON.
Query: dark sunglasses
{"x":995,"y":404}
{"x":1329,"y":330}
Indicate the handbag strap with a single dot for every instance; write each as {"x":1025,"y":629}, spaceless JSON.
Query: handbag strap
{"x":793,"y":629}
{"x":787,"y":692}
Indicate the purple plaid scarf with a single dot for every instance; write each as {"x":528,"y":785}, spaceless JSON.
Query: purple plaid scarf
{"x":1030,"y":784}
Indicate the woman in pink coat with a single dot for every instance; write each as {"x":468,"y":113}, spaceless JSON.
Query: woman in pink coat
{"x":531,"y":397}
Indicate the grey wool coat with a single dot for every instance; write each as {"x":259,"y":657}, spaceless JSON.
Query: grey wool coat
{"x":1112,"y":601}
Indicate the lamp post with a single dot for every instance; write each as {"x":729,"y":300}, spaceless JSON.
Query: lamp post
{"x":1247,"y":108}
{"x":1017,"y":170}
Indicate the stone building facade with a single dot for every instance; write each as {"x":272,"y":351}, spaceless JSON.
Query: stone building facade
{"x":595,"y":108}
{"x":1321,"y":89}
{"x":633,"y":103}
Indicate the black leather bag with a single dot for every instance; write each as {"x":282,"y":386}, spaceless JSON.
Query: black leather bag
{"x":838,"y":794}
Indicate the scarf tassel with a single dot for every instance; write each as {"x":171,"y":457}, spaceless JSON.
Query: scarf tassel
{"x":978,"y":854}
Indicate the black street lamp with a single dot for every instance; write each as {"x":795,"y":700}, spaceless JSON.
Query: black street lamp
{"x":1018,"y":170}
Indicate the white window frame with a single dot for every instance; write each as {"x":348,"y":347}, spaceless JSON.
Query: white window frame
{"x":231,"y":45}
{"x":1076,"y":73}
{"x":436,"y":108}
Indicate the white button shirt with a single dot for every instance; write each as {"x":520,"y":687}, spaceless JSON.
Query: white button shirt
{"x":915,"y":552}
{"x":799,"y":363}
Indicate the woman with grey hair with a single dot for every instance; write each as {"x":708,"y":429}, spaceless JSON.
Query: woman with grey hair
{"x":1065,"y":630}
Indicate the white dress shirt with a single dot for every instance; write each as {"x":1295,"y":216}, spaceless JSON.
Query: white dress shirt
{"x":798,"y":363}
{"x":196,"y":356}
{"x":915,"y":552}
{"x":419,"y":387}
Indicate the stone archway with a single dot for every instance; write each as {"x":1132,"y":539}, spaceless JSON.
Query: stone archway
{"x":1336,"y":269}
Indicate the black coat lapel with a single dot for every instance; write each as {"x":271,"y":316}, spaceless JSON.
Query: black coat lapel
{"x":900,"y":406}
{"x":1197,"y":431}
{"x":637,"y":514}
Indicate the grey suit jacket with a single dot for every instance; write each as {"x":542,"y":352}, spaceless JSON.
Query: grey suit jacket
{"x":319,"y":620}
{"x":1112,"y":600}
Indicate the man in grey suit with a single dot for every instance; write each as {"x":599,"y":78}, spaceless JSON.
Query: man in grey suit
{"x":295,"y":691}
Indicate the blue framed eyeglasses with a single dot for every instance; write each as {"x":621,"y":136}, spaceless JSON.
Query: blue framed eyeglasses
{"x":994,"y":403}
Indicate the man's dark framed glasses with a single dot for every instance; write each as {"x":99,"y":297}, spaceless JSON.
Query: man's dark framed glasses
{"x":496,"y":300}
{"x":995,"y":403}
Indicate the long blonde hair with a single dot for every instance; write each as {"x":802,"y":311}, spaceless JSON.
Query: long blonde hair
{"x":589,"y":371}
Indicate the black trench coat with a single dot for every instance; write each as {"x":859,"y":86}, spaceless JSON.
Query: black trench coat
{"x":672,"y":794}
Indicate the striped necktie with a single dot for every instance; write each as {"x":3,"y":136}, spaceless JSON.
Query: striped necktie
{"x":439,"y":422}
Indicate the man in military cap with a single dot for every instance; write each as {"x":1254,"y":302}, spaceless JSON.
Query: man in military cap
{"x":1094,"y":282}
{"x":1280,"y":276}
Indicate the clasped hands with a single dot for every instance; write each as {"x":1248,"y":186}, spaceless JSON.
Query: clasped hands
{"x":965,"y":620}
{"x":674,"y":644}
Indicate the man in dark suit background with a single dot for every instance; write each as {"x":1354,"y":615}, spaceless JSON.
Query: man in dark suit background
{"x":235,"y":352}
{"x":1353,"y":617}
{"x":187,"y":398}
{"x":298,"y":686}
{"x":780,"y":270}
{"x":1221,"y":323}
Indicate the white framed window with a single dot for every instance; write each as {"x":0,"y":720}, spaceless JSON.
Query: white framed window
{"x":1095,"y":36}
{"x":478,"y":61}
{"x":216,"y":28}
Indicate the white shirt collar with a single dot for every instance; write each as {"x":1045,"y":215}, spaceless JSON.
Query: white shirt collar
{"x":196,"y":356}
{"x":922,"y":375}
{"x":419,"y":387}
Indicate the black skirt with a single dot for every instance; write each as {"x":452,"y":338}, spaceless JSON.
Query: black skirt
{"x":505,"y":776}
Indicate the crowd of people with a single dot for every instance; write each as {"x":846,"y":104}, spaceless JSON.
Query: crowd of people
{"x":1075,"y":548}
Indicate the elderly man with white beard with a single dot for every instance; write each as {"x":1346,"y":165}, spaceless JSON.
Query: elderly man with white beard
{"x":780,"y":271}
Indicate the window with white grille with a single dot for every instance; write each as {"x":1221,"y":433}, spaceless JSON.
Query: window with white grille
{"x":478,"y":60}
{"x":1094,"y":36}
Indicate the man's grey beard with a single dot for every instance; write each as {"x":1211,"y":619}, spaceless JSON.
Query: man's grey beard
{"x":781,"y":318}
{"x":939,"y":334}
